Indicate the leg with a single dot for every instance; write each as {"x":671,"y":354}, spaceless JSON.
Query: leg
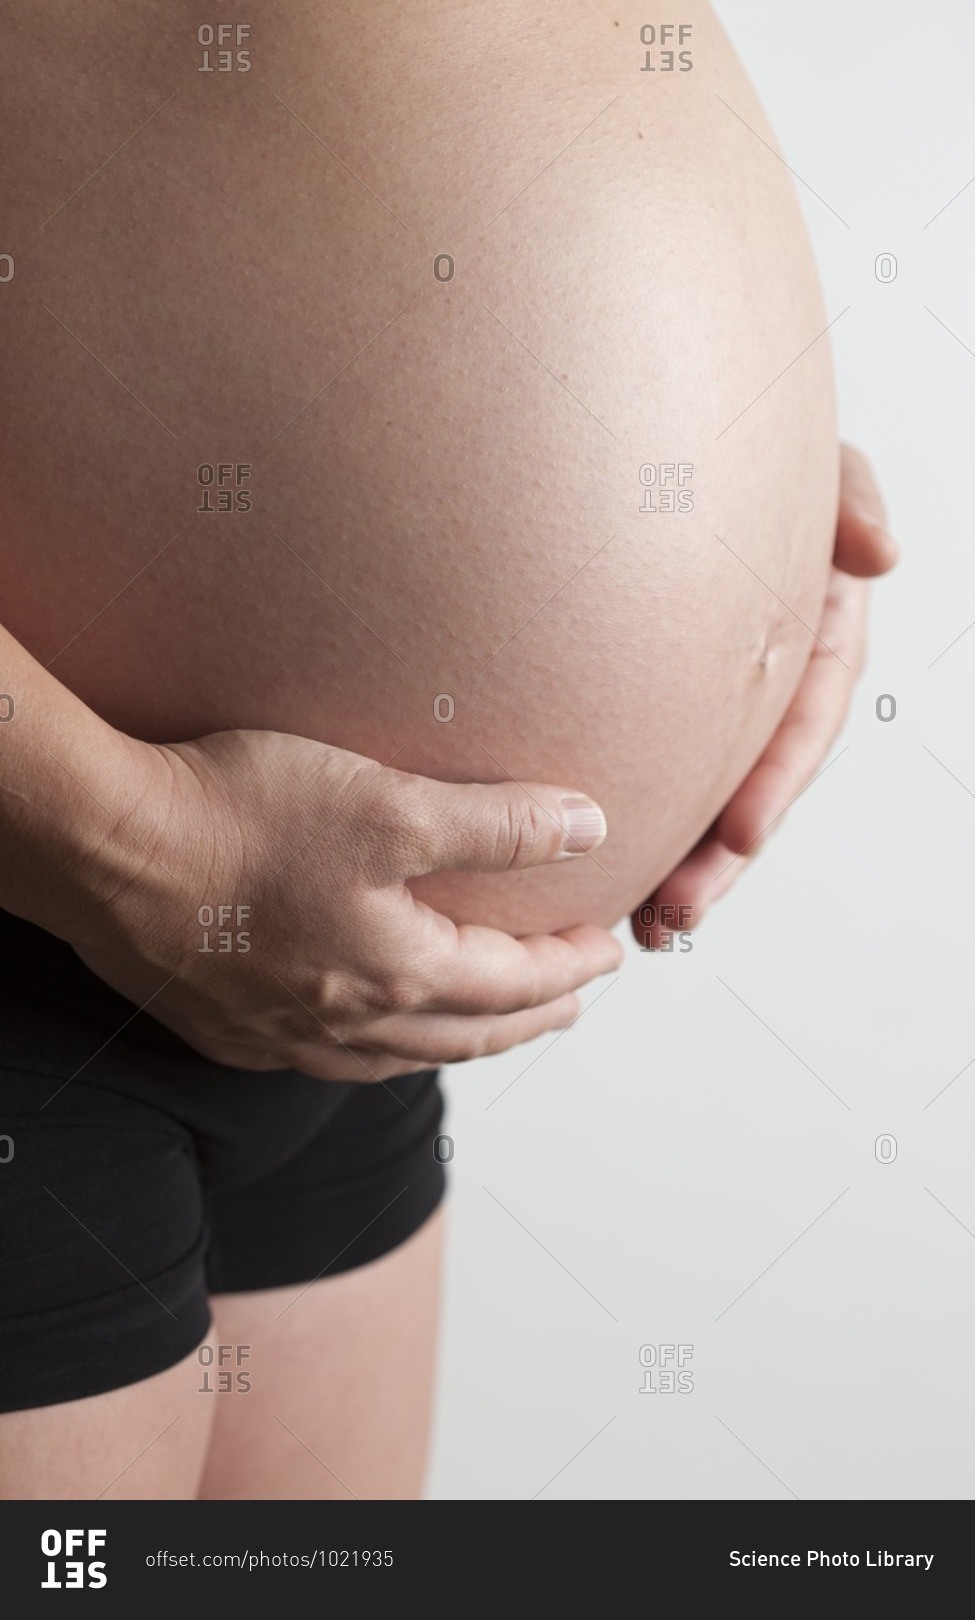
{"x":339,"y":1404}
{"x":144,"y":1441}
{"x":103,"y":1299}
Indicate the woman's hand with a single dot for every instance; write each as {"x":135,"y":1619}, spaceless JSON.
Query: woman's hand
{"x":269,"y":923}
{"x":863,"y":550}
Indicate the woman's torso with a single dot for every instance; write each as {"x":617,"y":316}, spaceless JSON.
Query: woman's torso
{"x":434,"y":548}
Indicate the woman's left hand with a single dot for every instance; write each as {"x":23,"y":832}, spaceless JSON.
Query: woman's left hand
{"x":863,"y":550}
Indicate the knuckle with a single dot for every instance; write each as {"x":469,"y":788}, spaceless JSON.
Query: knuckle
{"x":385,"y":994}
{"x":336,"y":995}
{"x":349,"y":998}
{"x":523,"y":830}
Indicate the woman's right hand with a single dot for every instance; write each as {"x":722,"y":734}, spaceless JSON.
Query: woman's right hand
{"x":796,"y":753}
{"x":323,"y":961}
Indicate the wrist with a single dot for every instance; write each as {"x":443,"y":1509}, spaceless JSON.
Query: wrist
{"x":84,"y":809}
{"x":76,"y":828}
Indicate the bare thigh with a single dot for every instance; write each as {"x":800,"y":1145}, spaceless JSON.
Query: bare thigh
{"x":341,"y":1377}
{"x":145,"y":1441}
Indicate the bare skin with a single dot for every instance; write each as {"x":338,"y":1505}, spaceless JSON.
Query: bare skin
{"x":340,"y":1377}
{"x":864,"y":549}
{"x":175,"y":657}
{"x":225,"y":1445}
{"x":143,"y":1441}
{"x":342,"y":1382}
{"x":434,"y":512}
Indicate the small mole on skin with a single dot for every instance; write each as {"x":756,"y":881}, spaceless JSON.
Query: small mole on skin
{"x":639,"y":134}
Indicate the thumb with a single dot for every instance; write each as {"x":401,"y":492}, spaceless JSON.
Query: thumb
{"x":471,"y":827}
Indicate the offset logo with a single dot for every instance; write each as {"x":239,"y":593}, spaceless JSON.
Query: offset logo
{"x":662,"y":44}
{"x":224,"y":926}
{"x":665,"y":1370}
{"x":223,"y":1369}
{"x":71,"y":1558}
{"x":228,"y":57}
{"x":221,"y":486}
{"x":667,"y":916}
{"x":666,"y":486}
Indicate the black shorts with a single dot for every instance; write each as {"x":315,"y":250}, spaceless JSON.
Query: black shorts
{"x":137,"y":1178}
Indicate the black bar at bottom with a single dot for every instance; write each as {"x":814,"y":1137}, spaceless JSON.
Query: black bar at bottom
{"x":185,"y":1557}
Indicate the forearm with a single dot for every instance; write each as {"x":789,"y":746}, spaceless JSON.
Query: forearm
{"x":67,"y":782}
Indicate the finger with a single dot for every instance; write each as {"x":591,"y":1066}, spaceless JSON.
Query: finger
{"x":794,"y":756}
{"x":417,"y":825}
{"x":429,"y":1038}
{"x":863,"y":545}
{"x":329,"y":1059}
{"x":476,"y":970}
{"x":788,"y":767}
{"x":684,"y":897}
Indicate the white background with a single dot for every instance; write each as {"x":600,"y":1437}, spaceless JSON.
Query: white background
{"x":670,"y":1147}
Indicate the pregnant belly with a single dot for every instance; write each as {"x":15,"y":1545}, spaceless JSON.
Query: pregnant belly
{"x":411,"y":392}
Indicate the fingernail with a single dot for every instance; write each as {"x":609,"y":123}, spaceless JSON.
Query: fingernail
{"x":583,"y":825}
